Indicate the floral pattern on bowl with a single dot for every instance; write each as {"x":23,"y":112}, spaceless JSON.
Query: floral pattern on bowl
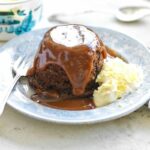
{"x":18,"y":20}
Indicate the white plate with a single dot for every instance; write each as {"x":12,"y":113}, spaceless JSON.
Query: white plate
{"x":130,"y":49}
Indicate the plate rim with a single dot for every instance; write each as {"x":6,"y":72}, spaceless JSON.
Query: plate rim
{"x":111,"y":117}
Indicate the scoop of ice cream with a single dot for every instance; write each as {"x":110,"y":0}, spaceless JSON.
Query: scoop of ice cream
{"x":116,"y":79}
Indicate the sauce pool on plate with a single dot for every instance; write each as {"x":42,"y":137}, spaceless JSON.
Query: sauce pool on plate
{"x":69,"y":104}
{"x":72,"y":103}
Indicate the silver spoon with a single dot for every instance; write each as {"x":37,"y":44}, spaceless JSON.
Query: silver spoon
{"x":132,"y":13}
{"x":124,"y":14}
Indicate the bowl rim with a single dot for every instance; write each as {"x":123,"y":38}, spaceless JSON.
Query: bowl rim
{"x":86,"y":121}
{"x":16,"y":2}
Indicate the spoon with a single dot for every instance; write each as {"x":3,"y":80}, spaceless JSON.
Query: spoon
{"x":124,"y":14}
{"x":132,"y":13}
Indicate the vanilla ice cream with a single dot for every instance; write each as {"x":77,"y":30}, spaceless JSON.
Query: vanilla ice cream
{"x":116,"y":79}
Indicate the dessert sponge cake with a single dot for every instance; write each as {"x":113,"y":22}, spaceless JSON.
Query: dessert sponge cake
{"x":67,"y":62}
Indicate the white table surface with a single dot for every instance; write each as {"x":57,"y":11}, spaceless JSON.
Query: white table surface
{"x":19,"y":132}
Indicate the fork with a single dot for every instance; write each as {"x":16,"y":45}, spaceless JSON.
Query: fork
{"x":20,"y":67}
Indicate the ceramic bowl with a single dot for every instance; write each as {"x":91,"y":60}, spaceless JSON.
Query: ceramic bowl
{"x":18,"y":16}
{"x":130,"y":49}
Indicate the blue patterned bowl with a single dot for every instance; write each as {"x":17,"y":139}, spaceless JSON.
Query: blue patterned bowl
{"x":18,"y":16}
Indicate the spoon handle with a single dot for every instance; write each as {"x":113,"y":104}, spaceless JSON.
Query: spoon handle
{"x":57,"y":17}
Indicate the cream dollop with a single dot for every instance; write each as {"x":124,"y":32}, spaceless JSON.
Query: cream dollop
{"x":73,"y":35}
{"x":116,"y":79}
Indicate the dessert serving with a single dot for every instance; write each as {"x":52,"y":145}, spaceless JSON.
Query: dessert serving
{"x":74,"y":70}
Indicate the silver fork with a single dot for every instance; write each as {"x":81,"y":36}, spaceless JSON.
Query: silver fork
{"x":20,"y":67}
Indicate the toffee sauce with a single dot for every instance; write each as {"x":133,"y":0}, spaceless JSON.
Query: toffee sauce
{"x":70,"y":103}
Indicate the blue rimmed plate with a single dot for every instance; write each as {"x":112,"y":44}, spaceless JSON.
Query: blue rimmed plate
{"x":132,"y":50}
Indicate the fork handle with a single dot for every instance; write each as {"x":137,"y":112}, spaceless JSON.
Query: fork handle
{"x":7,"y":93}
